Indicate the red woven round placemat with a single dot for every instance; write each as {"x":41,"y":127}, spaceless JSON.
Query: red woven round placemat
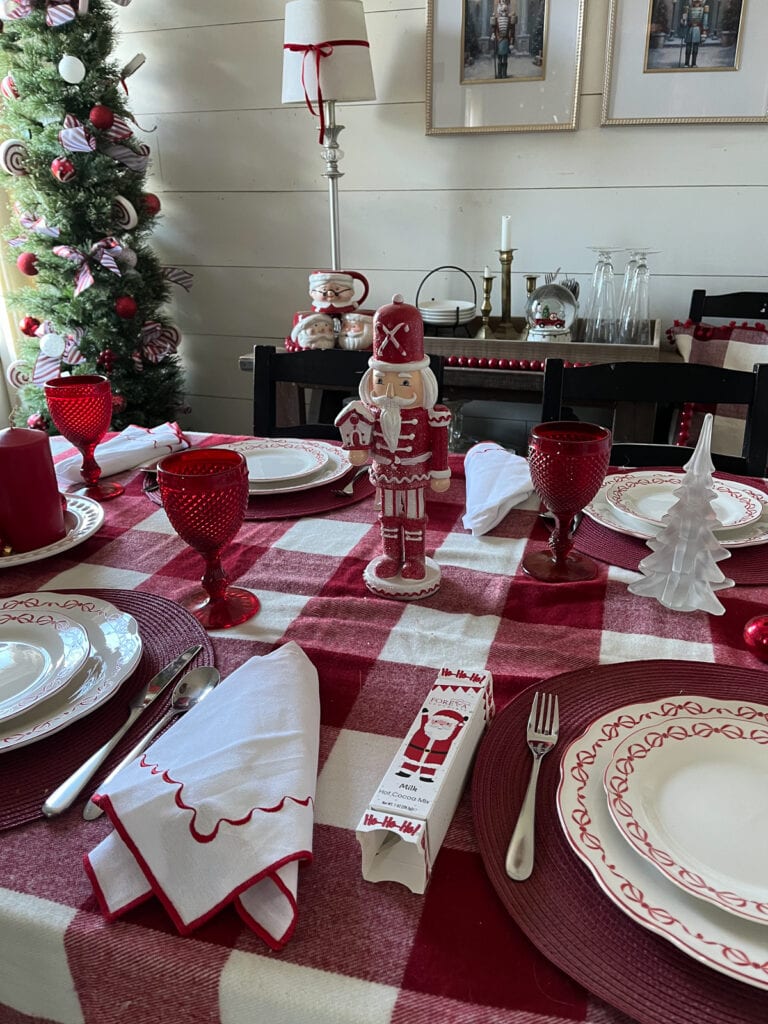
{"x":293,"y":505}
{"x":29,"y":774}
{"x":746,"y":566}
{"x":561,"y":907}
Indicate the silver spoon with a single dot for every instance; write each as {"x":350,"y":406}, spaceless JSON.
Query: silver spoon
{"x":188,"y":692}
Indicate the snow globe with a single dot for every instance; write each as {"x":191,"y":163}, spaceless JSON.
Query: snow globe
{"x":550,"y":312}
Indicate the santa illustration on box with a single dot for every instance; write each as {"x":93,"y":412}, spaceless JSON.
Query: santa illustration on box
{"x":405,"y":433}
{"x":428,"y":747}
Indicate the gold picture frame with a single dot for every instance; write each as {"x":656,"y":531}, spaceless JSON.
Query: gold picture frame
{"x":685,"y":62}
{"x":466,"y":94}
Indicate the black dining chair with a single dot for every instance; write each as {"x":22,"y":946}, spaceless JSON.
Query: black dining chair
{"x":744,"y":305}
{"x":336,"y":373}
{"x":647,"y":393}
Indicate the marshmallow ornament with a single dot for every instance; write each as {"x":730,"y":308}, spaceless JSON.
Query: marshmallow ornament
{"x":71,"y":69}
{"x":13,"y":157}
{"x":53,"y":345}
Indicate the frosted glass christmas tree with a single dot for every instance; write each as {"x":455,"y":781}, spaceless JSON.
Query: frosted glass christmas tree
{"x":682,"y":572}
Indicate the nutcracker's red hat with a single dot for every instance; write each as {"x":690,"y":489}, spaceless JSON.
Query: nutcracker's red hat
{"x":398,"y":338}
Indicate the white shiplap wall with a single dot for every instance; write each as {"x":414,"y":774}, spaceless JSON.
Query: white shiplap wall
{"x":245,"y":207}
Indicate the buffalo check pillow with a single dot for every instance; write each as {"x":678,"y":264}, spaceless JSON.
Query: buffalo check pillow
{"x":734,"y":347}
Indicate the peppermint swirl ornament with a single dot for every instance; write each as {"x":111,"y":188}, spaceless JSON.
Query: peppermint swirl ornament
{"x":124,"y":214}
{"x":16,"y":375}
{"x":13,"y":157}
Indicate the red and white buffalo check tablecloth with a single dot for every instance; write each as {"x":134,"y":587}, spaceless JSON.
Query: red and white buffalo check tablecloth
{"x":361,"y":952}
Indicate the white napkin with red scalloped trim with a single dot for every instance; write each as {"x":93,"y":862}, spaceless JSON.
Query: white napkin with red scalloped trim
{"x":130,"y":448}
{"x":220,"y":808}
{"x":497,"y":480}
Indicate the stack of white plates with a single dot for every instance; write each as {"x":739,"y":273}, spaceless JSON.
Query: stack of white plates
{"x":61,"y":656}
{"x":635,"y":504}
{"x":446,"y":312}
{"x":284,"y":465}
{"x":666,"y":803}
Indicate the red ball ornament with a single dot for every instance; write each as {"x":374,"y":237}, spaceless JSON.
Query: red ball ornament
{"x":126,"y":307}
{"x":150,"y":203}
{"x":27,"y":264}
{"x":756,"y":636}
{"x":28,"y":325}
{"x":36,"y":422}
{"x":101,"y":117}
{"x":118,"y":403}
{"x":63,"y":169}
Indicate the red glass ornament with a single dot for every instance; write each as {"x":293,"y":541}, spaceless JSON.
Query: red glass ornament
{"x":27,"y":264}
{"x":126,"y":307}
{"x":81,"y":408}
{"x":28,"y":325}
{"x":205,"y":495}
{"x":756,"y":636}
{"x":101,"y":117}
{"x":568,"y":461}
{"x":63,"y":169}
{"x":150,"y":203}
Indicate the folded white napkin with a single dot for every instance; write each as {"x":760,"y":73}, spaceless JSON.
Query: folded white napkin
{"x":128,"y":449}
{"x":220,"y":808}
{"x":496,"y":481}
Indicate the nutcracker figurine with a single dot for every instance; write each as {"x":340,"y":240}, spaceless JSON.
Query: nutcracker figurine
{"x":406,"y":434}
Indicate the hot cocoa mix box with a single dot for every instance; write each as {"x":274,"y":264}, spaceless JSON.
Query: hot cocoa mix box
{"x":406,"y":820}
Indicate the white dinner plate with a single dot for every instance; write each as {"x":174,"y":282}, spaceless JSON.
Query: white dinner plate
{"x":648,"y":495}
{"x":279,"y":460}
{"x":40,"y":651}
{"x":691,"y":796}
{"x":742,"y":537}
{"x":82,"y":519}
{"x":115,"y":651}
{"x":336,"y":465}
{"x":721,"y":940}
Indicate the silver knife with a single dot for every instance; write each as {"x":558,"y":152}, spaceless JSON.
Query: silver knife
{"x":66,"y":794}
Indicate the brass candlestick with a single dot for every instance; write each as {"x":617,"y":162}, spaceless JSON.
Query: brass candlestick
{"x":485,"y":331}
{"x":530,"y":284}
{"x":505,"y":328}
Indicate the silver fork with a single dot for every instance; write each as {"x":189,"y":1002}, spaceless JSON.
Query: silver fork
{"x":349,"y":487}
{"x":541,"y":734}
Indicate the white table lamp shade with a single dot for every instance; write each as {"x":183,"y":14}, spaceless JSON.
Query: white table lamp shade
{"x":345,"y":68}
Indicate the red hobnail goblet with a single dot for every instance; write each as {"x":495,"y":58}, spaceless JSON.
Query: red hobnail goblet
{"x":568,"y":461}
{"x":205,"y":494}
{"x":81,"y":408}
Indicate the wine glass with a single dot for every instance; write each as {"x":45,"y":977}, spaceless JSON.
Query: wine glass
{"x":635,"y":324}
{"x":568,"y":462}
{"x":205,"y":494}
{"x":81,"y":408}
{"x":601,"y":314}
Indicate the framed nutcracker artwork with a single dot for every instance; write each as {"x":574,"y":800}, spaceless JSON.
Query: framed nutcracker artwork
{"x":686,"y":62}
{"x":503,"y":65}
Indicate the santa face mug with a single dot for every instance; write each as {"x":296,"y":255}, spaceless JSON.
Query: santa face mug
{"x":313,"y":330}
{"x":333,"y":291}
{"x":356,"y":331}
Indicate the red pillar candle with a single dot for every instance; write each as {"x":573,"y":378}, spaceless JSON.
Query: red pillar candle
{"x":31,"y":513}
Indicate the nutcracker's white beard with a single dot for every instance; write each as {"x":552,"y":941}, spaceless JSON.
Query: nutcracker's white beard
{"x":390,"y":416}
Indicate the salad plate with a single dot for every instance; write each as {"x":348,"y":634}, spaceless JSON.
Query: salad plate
{"x":115,"y":650}
{"x":336,"y":464}
{"x":690,"y":796}
{"x":40,"y":651}
{"x":647,"y":495}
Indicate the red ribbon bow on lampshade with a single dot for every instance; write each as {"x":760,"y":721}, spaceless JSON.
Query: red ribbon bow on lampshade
{"x":101,"y":254}
{"x":57,"y":12}
{"x":320,"y":50}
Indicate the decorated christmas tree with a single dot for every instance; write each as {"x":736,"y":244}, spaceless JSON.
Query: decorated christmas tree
{"x":76,"y":176}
